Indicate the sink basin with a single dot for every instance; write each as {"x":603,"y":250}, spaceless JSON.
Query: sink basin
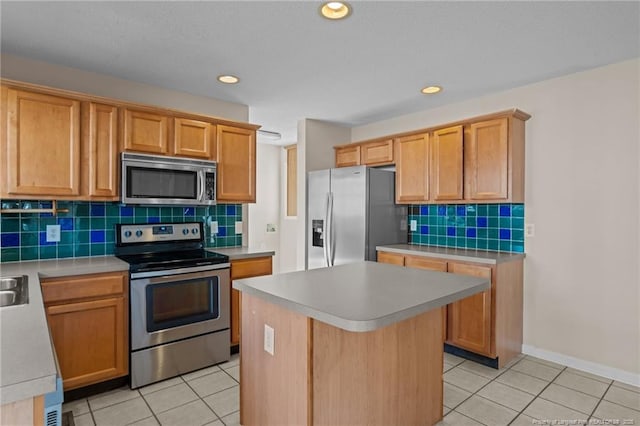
{"x":14,"y":290}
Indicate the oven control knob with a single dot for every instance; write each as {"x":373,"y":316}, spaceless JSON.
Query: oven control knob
{"x":194,"y":231}
{"x":138,"y":233}
{"x":185,"y":231}
{"x":127,"y":234}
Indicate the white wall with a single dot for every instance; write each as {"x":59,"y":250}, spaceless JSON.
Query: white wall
{"x":61,"y":77}
{"x":582,"y":280}
{"x":266,"y":209}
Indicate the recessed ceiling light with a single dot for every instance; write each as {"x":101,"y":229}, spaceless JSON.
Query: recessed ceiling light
{"x":430,"y":90}
{"x":228,"y":79}
{"x":335,"y":10}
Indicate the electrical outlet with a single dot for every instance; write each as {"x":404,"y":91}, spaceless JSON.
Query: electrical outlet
{"x":269,"y":339}
{"x":413,"y":225}
{"x":530,"y":230}
{"x":53,"y":233}
{"x":213,"y":226}
{"x":238,"y":227}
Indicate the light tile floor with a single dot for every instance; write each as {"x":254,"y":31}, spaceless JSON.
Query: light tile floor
{"x":529,"y":391}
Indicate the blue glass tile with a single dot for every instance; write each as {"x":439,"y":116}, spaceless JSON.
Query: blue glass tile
{"x":154,"y":219}
{"x":517,"y":210}
{"x":96,"y":249}
{"x":231,"y":210}
{"x":483,"y":210}
{"x":126,"y":211}
{"x":98,"y":236}
{"x":482,"y":222}
{"x":442,"y":210}
{"x":517,"y":223}
{"x":43,"y":240}
{"x":517,"y":235}
{"x":493,"y":222}
{"x":11,"y":239}
{"x":493,"y":209}
{"x":517,"y":247}
{"x":46,"y":215}
{"x":189,"y":211}
{"x":493,"y":233}
{"x":80,"y":250}
{"x":97,"y":209}
{"x":505,"y":246}
{"x":483,"y":233}
{"x":222,"y":231}
{"x":451,"y":231}
{"x":483,"y":244}
{"x":29,"y":253}
{"x":150,"y":211}
{"x":505,"y":234}
{"x":471,"y":210}
{"x":504,"y":222}
{"x":471,"y":232}
{"x":66,"y":223}
{"x":29,"y":239}
{"x":45,"y":205}
{"x":424,"y":229}
{"x":424,"y":210}
{"x":461,"y":210}
{"x":505,"y":210}
{"x":48,"y":252}
{"x":29,"y":223}
{"x":493,"y":245}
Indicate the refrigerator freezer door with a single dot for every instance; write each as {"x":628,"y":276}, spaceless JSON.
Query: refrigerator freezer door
{"x":318,"y":185}
{"x":348,"y":218}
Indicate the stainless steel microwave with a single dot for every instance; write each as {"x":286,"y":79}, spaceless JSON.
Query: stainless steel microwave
{"x":153,"y":179}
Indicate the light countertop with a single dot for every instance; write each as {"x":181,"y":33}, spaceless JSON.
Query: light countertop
{"x":27,"y":366}
{"x":236,"y":253}
{"x":478,"y":256}
{"x":362,"y":296}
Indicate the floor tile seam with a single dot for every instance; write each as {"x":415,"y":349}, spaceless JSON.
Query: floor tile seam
{"x":469,"y":417}
{"x":153,"y":413}
{"x":637,"y":410}
{"x":110,"y":405}
{"x":467,"y":398}
{"x":566,"y":406}
{"x":204,"y":402}
{"x":168,"y":387}
{"x":489,"y":378}
{"x":623,"y":388}
{"x":600,"y":401}
{"x":538,"y":396}
{"x":546,"y":365}
{"x":579,"y":391}
{"x":217,"y":392}
{"x":577,"y":373}
{"x":237,"y":411}
{"x":199,"y":377}
{"x":540,"y":378}
{"x":518,"y":389}
{"x":144,"y":418}
{"x":164,"y":411}
{"x":498,"y":403}
{"x":237,"y":381}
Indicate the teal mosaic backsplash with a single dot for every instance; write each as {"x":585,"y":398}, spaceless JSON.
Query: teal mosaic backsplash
{"x":88,"y":229}
{"x":495,"y":227}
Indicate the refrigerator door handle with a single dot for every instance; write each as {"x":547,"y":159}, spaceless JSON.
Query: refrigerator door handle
{"x":325,"y":232}
{"x":331,"y":233}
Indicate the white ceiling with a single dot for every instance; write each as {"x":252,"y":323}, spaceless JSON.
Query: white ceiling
{"x":293,"y":64}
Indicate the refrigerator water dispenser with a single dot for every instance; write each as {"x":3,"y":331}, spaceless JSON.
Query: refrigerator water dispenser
{"x":317,"y":226}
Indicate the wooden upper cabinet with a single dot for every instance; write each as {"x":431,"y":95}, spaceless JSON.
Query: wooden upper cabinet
{"x":236,"y":164}
{"x":412,"y":168}
{"x":377,"y":153}
{"x":348,"y":156}
{"x":487,"y":160}
{"x":146,"y":132}
{"x":41,"y":145}
{"x":470,"y":319}
{"x":100,"y":163}
{"x":447,"y":164}
{"x":194,"y":138}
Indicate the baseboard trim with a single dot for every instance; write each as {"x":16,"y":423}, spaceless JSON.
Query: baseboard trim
{"x":581,"y":364}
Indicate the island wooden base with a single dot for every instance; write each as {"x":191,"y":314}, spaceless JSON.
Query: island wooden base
{"x":323,"y":375}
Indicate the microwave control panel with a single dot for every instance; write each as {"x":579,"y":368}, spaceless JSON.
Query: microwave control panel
{"x":210,"y":186}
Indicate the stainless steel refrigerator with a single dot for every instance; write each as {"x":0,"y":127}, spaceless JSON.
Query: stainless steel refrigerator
{"x":350,"y":211}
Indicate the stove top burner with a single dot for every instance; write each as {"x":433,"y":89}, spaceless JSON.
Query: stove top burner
{"x":164,"y":246}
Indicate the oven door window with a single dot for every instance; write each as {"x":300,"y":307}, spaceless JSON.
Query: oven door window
{"x":180,"y":303}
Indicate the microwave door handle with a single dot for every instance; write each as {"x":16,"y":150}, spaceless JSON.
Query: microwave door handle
{"x":201,"y":178}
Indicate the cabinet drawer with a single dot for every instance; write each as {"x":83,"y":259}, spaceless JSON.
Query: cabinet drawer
{"x":392,"y":258}
{"x":82,"y":287}
{"x":253,"y":267}
{"x":421,"y":262}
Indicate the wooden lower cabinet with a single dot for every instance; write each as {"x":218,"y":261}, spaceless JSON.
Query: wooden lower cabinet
{"x":245,"y":268}
{"x":487,"y":323}
{"x":88,"y":321}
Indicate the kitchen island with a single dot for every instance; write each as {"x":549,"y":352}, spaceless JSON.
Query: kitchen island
{"x":353,"y":344}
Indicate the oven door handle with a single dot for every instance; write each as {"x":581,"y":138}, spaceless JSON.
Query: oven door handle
{"x":179,"y":277}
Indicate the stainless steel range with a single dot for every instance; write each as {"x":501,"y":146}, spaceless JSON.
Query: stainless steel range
{"x":179,"y":300}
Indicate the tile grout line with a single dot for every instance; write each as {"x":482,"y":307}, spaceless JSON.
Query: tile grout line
{"x":153,"y":413}
{"x":538,"y":395}
{"x":600,"y":401}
